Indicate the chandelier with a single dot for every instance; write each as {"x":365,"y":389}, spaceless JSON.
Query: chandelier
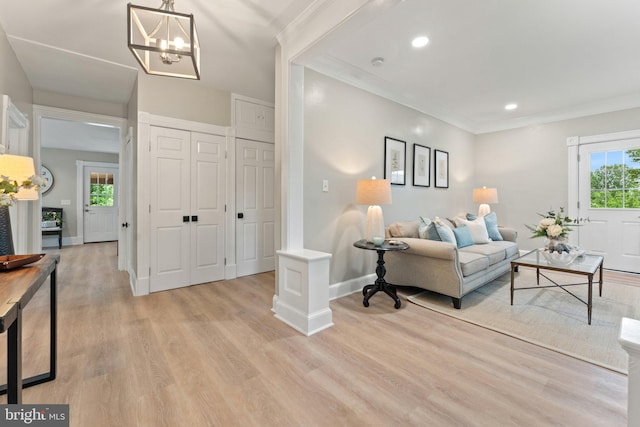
{"x":164,"y":42}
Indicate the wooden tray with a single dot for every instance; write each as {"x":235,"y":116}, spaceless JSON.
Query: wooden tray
{"x":9,"y":262}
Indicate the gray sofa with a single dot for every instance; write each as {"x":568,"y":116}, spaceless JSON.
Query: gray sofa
{"x":443,"y":267}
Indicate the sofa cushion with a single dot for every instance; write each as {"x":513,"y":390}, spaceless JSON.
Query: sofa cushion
{"x":477,"y":228}
{"x":404,"y":229}
{"x":471,"y":263}
{"x":493,"y":252}
{"x":445,"y":232}
{"x":463,"y":236}
{"x":427,"y":229}
{"x":491,"y":221}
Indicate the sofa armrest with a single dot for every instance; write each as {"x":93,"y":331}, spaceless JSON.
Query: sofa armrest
{"x":508,"y":233}
{"x":430,"y":248}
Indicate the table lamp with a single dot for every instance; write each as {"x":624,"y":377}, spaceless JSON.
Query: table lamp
{"x":14,"y":169}
{"x":374,"y":192}
{"x":484,"y":196}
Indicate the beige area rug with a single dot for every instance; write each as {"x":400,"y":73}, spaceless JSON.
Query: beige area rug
{"x":550,"y":317}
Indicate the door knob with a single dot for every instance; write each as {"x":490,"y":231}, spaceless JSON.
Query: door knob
{"x":185,"y":218}
{"x":194,"y":218}
{"x":240,"y":215}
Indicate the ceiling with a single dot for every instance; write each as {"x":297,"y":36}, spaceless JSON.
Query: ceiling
{"x":555,"y":59}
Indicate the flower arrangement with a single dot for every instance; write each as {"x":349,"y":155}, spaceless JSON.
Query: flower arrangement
{"x":10,"y":187}
{"x":555,"y":227}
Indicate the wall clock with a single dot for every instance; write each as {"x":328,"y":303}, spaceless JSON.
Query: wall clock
{"x":48,"y":177}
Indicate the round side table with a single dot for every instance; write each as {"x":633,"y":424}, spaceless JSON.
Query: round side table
{"x":380,"y":284}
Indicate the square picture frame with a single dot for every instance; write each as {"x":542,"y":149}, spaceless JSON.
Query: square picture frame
{"x":395,"y":160}
{"x":441,"y":169}
{"x":421,"y":166}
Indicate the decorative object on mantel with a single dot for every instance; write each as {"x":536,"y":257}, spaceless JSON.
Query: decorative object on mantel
{"x":374,"y":192}
{"x":9,"y":262}
{"x":555,"y":227}
{"x":485,"y":196}
{"x":395,"y":156}
{"x":161,"y":38}
{"x":18,"y":181}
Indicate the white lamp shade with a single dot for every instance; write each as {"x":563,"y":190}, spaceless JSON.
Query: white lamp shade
{"x":485,"y":195}
{"x":373,"y":192}
{"x":20,"y":169}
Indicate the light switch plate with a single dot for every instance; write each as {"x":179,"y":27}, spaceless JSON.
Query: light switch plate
{"x":325,"y":185}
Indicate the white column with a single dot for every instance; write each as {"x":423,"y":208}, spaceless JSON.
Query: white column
{"x":303,"y":301}
{"x":629,"y":339}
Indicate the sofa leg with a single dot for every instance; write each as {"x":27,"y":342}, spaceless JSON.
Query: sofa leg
{"x":457,"y":302}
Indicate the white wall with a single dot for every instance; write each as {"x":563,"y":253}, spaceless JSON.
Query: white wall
{"x":13,"y":80}
{"x":74,"y":103}
{"x":183,"y":99}
{"x":529,"y":166}
{"x":344,"y":141}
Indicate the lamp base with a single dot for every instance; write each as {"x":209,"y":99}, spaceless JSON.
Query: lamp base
{"x":375,"y":223}
{"x":6,"y":237}
{"x":484,"y":209}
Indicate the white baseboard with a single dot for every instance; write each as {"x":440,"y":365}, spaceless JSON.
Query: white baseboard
{"x":351,"y":286}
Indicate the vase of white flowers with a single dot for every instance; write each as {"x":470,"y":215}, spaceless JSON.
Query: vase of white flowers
{"x":555,"y":227}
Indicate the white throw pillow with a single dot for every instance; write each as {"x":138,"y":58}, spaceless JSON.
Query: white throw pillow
{"x":477,"y":228}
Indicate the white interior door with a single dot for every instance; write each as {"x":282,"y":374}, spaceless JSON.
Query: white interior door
{"x":255,"y":199}
{"x":187,"y":208}
{"x":609,"y":195}
{"x":169,"y":172}
{"x":100,"y":203}
{"x":207,"y":207}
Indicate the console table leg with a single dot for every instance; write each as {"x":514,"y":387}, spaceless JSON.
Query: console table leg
{"x":14,"y":361}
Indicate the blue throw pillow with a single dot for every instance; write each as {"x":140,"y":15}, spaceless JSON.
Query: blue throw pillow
{"x":463,"y":236}
{"x":445,"y":233}
{"x":491,"y":221}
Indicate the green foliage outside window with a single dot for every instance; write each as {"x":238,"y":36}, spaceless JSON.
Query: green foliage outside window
{"x":615,"y":179}
{"x":101,"y":195}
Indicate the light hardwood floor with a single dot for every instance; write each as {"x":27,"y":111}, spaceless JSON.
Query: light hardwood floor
{"x":214,"y":355}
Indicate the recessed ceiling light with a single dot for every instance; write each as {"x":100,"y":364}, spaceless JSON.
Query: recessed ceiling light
{"x":421,"y":41}
{"x":377,"y":61}
{"x":511,"y":106}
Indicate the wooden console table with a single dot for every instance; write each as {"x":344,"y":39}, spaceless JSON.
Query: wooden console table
{"x":17,"y":287}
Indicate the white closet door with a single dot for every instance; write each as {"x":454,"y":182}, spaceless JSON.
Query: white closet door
{"x":255,"y":204}
{"x":170,"y":179}
{"x":207,"y":207}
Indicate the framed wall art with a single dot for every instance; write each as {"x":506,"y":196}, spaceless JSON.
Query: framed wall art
{"x":395,"y":156}
{"x":441,"y":169}
{"x":421,"y":165}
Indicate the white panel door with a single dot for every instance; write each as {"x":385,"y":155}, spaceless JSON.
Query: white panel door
{"x":170,"y":179}
{"x":255,"y":199}
{"x":100,"y":217}
{"x":207,"y":207}
{"x":609,"y":194}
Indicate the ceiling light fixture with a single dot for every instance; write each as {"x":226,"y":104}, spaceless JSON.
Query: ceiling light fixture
{"x":510,"y":107}
{"x":421,"y":41}
{"x":164,"y":42}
